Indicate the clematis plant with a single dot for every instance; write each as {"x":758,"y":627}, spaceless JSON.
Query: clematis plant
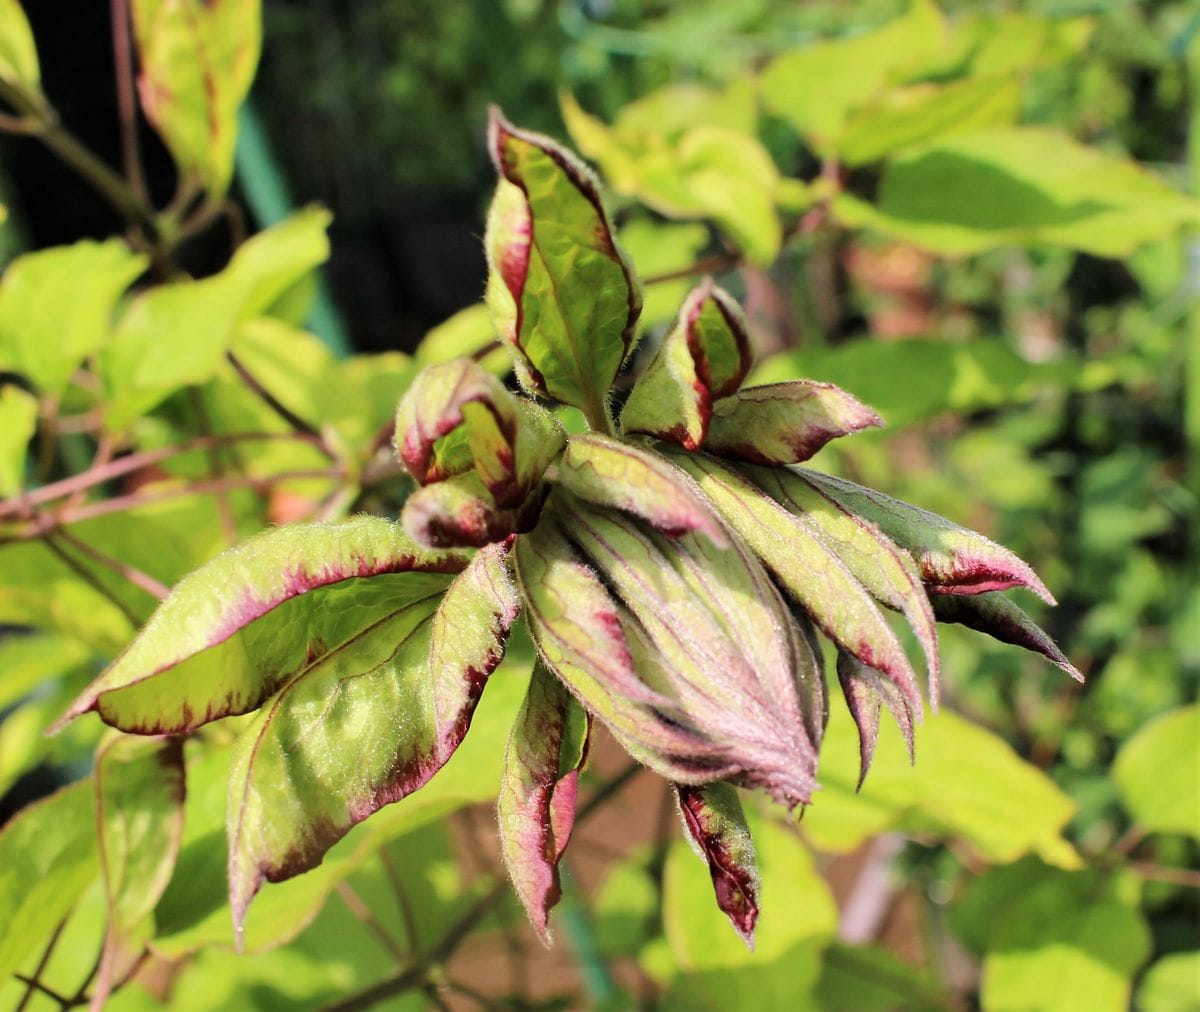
{"x":676,"y":567}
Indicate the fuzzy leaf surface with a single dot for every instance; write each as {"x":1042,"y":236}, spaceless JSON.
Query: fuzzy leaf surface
{"x":232,"y":632}
{"x":1001,"y":619}
{"x":704,"y":357}
{"x":952,"y":559}
{"x":867,"y":691}
{"x":784,"y":423}
{"x":536,"y":806}
{"x":561,"y":291}
{"x":364,"y":726}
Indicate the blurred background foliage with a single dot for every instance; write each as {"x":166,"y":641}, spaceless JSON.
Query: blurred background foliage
{"x":972,"y":217}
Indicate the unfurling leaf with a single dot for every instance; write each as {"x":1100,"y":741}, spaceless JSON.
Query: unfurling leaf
{"x":806,"y":567}
{"x":546,"y":749}
{"x":784,"y":423}
{"x":364,"y":726}
{"x":716,"y":829}
{"x":561,"y":291}
{"x":997,"y":616}
{"x":202,"y":655}
{"x":952,"y":559}
{"x":139,"y":790}
{"x":197,"y":59}
{"x":703,"y":358}
{"x":609,"y":472}
{"x":866,"y":690}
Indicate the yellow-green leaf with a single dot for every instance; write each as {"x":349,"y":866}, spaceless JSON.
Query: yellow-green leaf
{"x":1156,"y":773}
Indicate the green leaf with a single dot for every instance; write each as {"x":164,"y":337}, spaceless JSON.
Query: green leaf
{"x":798,"y":920}
{"x":177,"y":334}
{"x":619,"y":475}
{"x":705,"y":356}
{"x":197,"y":59}
{"x":867,"y":690}
{"x":717,"y":831}
{"x":47,"y":861}
{"x":364,"y":726}
{"x":867,"y":978}
{"x":18,"y":53}
{"x":1154,"y":773}
{"x":784,"y":423}
{"x":919,"y":113}
{"x":561,"y":291}
{"x":997,"y":616}
{"x":56,"y":307}
{"x":18,"y":423}
{"x":536,"y":806}
{"x":816,"y":88}
{"x":468,"y":333}
{"x":232,"y":632}
{"x":658,"y":247}
{"x":1172,"y":984}
{"x":139,"y":791}
{"x":1042,"y":186}
{"x":1054,"y":939}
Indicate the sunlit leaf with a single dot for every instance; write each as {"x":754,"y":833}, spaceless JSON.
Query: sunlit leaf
{"x":470,"y":333}
{"x":869,"y":978}
{"x":1154,"y":773}
{"x":18,"y":422}
{"x":18,"y":53}
{"x":1172,"y":984}
{"x":536,"y":806}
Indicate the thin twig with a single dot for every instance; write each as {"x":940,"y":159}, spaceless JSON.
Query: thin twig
{"x":45,"y":989}
{"x":363,"y":913}
{"x":706,"y":265}
{"x":605,"y":792}
{"x":126,"y":106}
{"x":216,"y":467}
{"x":281,"y":409}
{"x":407,"y":914}
{"x":90,"y":578}
{"x":33,"y":982}
{"x":1161,"y":873}
{"x":141,"y":580}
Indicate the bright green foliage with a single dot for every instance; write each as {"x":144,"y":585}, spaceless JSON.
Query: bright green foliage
{"x":1156,"y":773}
{"x":37,"y":338}
{"x":466,"y":334}
{"x":1054,"y":939}
{"x":1171,"y":985}
{"x":18,"y":52}
{"x":198,"y":59}
{"x":18,"y":422}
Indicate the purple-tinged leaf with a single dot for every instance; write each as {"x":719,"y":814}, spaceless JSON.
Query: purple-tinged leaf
{"x":866,"y":691}
{"x":889,"y":573}
{"x":139,"y":792}
{"x":546,"y":750}
{"x":717,"y":831}
{"x":806,"y":567}
{"x":704,"y":357}
{"x":608,"y":472}
{"x":227,"y":637}
{"x":364,"y":726}
{"x":562,"y":293}
{"x":710,"y":631}
{"x":595,"y":648}
{"x":997,"y":616}
{"x":460,"y":513}
{"x":784,"y":423}
{"x":457,"y":414}
{"x":952,"y":559}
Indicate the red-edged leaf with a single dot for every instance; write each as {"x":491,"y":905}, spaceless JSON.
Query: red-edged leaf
{"x":952,"y":559}
{"x":704,"y":357}
{"x":460,"y":513}
{"x":608,"y":472}
{"x":716,"y":829}
{"x":784,"y":423}
{"x":363,"y":727}
{"x":997,"y":616}
{"x":536,"y":807}
{"x":225,"y":638}
{"x":866,"y":690}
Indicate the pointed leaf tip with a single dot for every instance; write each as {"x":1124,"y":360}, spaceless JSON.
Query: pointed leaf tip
{"x":867,"y":690}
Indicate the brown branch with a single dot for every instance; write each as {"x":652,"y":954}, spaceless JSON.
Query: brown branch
{"x":364,"y":915}
{"x":131,"y":157}
{"x":141,"y":580}
{"x":34,"y":983}
{"x":1161,"y":873}
{"x":407,"y":914}
{"x":281,"y":409}
{"x":606,"y":791}
{"x":707,"y":265}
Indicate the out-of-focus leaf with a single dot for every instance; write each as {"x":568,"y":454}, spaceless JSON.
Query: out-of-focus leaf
{"x":817,"y":87}
{"x":704,"y":357}
{"x":1155,"y":773}
{"x":469,"y":332}
{"x":661,"y":248}
{"x":1172,"y":984}
{"x":226,"y":637}
{"x":1021,"y":812}
{"x":18,"y":53}
{"x":609,"y":472}
{"x":139,"y":792}
{"x":197,"y":59}
{"x":176,"y":334}
{"x":867,"y":978}
{"x":47,"y":860}
{"x":1042,"y":186}
{"x":28,"y":660}
{"x":798,"y":920}
{"x":1054,"y":939}
{"x":18,"y":422}
{"x":903,"y":117}
{"x":56,"y":307}
{"x":716,"y":829}
{"x":560,"y":290}
{"x":363,"y":727}
{"x":536,"y":806}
